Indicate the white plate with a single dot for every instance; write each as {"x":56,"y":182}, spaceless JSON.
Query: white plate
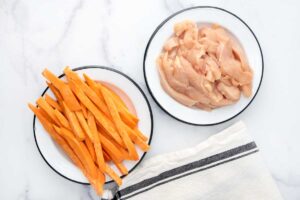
{"x":202,"y":15}
{"x":57,"y":159}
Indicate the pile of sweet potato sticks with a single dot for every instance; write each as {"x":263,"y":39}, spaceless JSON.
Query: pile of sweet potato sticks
{"x":92,"y":125}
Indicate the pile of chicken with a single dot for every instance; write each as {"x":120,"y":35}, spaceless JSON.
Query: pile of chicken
{"x":204,"y":67}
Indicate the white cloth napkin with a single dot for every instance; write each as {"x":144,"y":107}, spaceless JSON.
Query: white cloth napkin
{"x":227,"y":165}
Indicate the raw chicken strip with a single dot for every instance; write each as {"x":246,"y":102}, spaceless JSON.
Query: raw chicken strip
{"x":204,"y":67}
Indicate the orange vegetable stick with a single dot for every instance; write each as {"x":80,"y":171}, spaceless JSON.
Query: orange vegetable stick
{"x":119,"y":165}
{"x":90,"y":147}
{"x":137,"y":140}
{"x":97,"y":142}
{"x":46,"y":115}
{"x":97,"y":184}
{"x":64,"y":90}
{"x":74,"y":123}
{"x":130,"y":119}
{"x":121,"y":168}
{"x":99,"y":116}
{"x":84,"y":110}
{"x":80,"y":150}
{"x":106,"y":157}
{"x":87,"y":90}
{"x":124,"y":152}
{"x":110,"y":148}
{"x":93,"y":85}
{"x":119,"y":124}
{"x":140,"y":134}
{"x":115,"y":96}
{"x":84,"y":125}
{"x":55,"y":92}
{"x":125,"y":117}
{"x":48,"y":109}
{"x":57,"y":138}
{"x":52,"y":103}
{"x":61,"y":118}
{"x":110,"y":172}
{"x":120,"y":104}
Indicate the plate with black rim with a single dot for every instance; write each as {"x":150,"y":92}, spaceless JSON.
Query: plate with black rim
{"x":202,"y":15}
{"x":56,"y":158}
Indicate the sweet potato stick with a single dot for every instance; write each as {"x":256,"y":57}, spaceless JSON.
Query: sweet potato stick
{"x":89,"y":169}
{"x":123,"y":151}
{"x":55,"y":91}
{"x":74,"y":123}
{"x":61,"y":118}
{"x":52,"y":103}
{"x":57,"y":138}
{"x":90,"y":147}
{"x":48,"y":109}
{"x":80,"y":150}
{"x":106,"y":157}
{"x":99,"y":116}
{"x":137,"y":140}
{"x":140,"y":134}
{"x":115,"y":96}
{"x":110,"y":172}
{"x":123,"y":170}
{"x":84,"y":110}
{"x":119,"y":124}
{"x":84,"y":125}
{"x":110,"y":148}
{"x":64,"y":90}
{"x":46,"y":115}
{"x":97,"y":142}
{"x":87,"y":90}
{"x":126,"y":116}
{"x":97,"y":184}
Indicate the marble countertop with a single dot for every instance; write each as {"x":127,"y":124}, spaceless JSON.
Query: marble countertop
{"x":38,"y":34}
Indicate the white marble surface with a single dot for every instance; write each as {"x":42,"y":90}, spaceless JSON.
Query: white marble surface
{"x":36,"y":34}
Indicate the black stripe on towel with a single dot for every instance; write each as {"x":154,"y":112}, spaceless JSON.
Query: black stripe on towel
{"x":189,"y":167}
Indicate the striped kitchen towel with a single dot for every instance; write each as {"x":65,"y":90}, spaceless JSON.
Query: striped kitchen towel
{"x":227,"y":165}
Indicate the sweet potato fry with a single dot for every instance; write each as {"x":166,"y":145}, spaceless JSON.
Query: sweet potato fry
{"x":48,"y":109}
{"x":119,"y":124}
{"x":90,"y":147}
{"x":62,"y":120}
{"x":106,"y":157}
{"x":84,"y":110}
{"x":97,"y":142}
{"x":137,"y":140}
{"x":140,"y":134}
{"x":123,"y":170}
{"x":84,"y":125}
{"x":56,"y":137}
{"x":74,"y":123}
{"x":64,"y":90}
{"x":54,"y":104}
{"x":99,"y":116}
{"x":46,"y":115}
{"x":87,"y":90}
{"x":80,"y":150}
{"x":55,"y":91}
{"x":110,"y":148}
{"x":113,"y":174}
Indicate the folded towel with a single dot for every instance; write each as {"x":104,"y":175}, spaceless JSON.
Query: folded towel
{"x":227,"y":165}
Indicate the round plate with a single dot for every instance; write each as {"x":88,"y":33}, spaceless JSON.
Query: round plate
{"x":202,"y":15}
{"x":56,"y":158}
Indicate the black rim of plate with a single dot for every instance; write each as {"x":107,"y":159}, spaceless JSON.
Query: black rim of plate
{"x":161,"y":25}
{"x":136,"y":85}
